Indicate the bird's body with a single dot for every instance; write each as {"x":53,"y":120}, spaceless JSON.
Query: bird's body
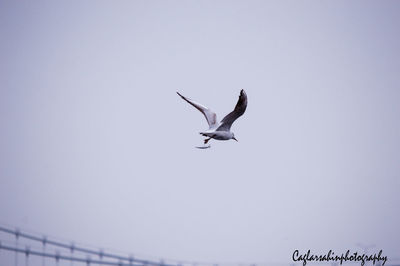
{"x":222,"y":130}
{"x":219,"y":135}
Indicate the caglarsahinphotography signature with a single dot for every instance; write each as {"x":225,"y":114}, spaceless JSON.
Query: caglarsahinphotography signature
{"x":331,"y":256}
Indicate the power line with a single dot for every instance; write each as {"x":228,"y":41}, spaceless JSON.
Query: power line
{"x":27,"y":251}
{"x":72,"y":247}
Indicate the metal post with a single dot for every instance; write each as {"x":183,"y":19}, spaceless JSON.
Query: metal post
{"x":16,"y":246}
{"x":57,"y":257}
{"x":27,"y":251}
{"x":44,"y":240}
{"x":72,"y":252}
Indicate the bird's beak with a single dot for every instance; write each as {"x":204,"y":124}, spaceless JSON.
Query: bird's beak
{"x":235,"y":139}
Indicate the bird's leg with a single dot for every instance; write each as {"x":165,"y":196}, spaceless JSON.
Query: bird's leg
{"x":206,"y":140}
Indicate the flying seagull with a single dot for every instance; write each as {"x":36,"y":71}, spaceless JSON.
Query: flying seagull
{"x":221,"y":130}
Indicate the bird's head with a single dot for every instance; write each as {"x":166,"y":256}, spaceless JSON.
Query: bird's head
{"x":233,"y":137}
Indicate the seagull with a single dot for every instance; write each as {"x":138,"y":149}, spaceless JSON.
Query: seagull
{"x":221,"y":130}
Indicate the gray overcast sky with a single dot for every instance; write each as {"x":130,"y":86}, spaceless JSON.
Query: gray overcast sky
{"x":96,"y":146}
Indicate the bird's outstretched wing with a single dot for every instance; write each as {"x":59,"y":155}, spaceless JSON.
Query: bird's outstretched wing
{"x":239,"y":110}
{"x":209,"y":115}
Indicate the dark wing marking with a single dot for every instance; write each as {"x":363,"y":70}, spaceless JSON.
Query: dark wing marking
{"x":239,"y":110}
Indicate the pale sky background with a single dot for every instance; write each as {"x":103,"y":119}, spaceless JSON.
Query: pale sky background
{"x":97,"y":148}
